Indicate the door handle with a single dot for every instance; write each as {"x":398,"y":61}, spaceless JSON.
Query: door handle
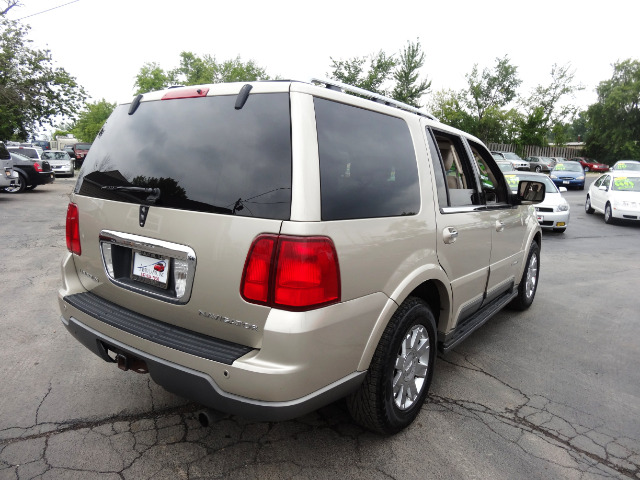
{"x":499,"y":226}
{"x":449,"y":235}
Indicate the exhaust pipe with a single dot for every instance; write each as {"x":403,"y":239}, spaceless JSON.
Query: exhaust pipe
{"x":208,"y":417}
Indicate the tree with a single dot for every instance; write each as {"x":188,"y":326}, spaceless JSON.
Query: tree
{"x":614,"y":121}
{"x":407,"y":89}
{"x":9,"y":5}
{"x":493,"y":88}
{"x":32,"y":91}
{"x":91,"y":120}
{"x":544,"y":110}
{"x":151,"y":77}
{"x":352,"y":72}
{"x":194,"y":70}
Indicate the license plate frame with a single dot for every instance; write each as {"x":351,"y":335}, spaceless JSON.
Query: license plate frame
{"x":150,"y":268}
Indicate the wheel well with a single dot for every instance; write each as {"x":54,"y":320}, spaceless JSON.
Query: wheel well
{"x":435,"y":295}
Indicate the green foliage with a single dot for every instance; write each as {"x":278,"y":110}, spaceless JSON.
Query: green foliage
{"x":352,"y":71}
{"x":194,"y":70}
{"x":614,"y":121}
{"x":408,"y":89}
{"x":91,"y":120}
{"x":493,"y":88}
{"x":32,"y":91}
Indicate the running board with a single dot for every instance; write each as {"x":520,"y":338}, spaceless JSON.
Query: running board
{"x":462,"y":331}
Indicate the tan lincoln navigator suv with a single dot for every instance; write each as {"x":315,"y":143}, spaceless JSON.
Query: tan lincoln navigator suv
{"x":267,"y":248}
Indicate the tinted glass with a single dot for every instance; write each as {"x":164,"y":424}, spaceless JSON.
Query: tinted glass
{"x":82,"y":146}
{"x":4,"y":153}
{"x":201,"y":153}
{"x":25,"y":152}
{"x":367,"y":163}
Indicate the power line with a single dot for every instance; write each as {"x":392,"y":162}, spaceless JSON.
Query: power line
{"x":48,"y":10}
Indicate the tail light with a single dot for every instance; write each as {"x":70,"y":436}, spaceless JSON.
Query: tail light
{"x":73,"y":230}
{"x":291,"y":273}
{"x":37,"y":166}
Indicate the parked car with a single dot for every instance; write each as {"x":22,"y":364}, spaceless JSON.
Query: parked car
{"x":44,"y":144}
{"x":517,"y":162}
{"x":540,"y":164}
{"x":626,"y":165}
{"x":591,"y":165}
{"x":554,"y":212}
{"x":241,"y":276}
{"x":505,"y":166}
{"x":61,"y":163}
{"x":69,"y":150}
{"x":8,"y":176}
{"x":31,"y":173}
{"x":25,"y":151}
{"x":568,"y":174}
{"x":80,"y":151}
{"x":616,"y":195}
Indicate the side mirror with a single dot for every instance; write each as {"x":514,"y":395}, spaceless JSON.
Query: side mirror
{"x":603,"y":188}
{"x":530,"y":192}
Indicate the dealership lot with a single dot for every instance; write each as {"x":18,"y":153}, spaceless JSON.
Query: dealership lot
{"x":553,"y":392}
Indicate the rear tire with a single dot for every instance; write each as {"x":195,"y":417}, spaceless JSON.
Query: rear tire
{"x":529,"y":281}
{"x":396,"y":384}
{"x":587,"y":206}
{"x":19,"y":187}
{"x":538,"y":169}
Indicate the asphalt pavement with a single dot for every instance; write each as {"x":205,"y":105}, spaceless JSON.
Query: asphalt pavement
{"x":549,"y":393}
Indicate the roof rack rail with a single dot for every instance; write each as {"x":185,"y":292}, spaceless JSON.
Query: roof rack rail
{"x":335,"y":85}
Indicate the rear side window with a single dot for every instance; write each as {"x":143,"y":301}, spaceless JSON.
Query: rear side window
{"x":367,"y":163}
{"x":201,"y":153}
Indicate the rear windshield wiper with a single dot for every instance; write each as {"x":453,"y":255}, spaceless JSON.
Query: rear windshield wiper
{"x":154,"y":193}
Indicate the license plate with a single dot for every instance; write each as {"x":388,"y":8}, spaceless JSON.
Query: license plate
{"x":151,"y":269}
{"x":566,"y":182}
{"x":540,"y":218}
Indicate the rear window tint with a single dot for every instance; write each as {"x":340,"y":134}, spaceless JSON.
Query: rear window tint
{"x":202,"y":153}
{"x":367,"y":163}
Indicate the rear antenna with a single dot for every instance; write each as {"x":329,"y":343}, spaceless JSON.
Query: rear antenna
{"x":242,"y":96}
{"x":135,"y":104}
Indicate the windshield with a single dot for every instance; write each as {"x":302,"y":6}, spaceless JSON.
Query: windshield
{"x":25,"y":152}
{"x":626,"y":184}
{"x":202,"y":153}
{"x":56,"y":156}
{"x":511,"y":156}
{"x":568,"y":167}
{"x":514,"y":178}
{"x":83,"y":146}
{"x":627,"y":166}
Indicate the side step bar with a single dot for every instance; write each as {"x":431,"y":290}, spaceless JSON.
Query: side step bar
{"x":462,"y":331}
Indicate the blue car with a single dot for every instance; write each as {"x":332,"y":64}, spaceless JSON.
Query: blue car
{"x":568,"y":174}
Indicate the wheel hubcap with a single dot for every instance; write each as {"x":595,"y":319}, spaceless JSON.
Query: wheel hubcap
{"x":532,"y":276}
{"x":412,"y":366}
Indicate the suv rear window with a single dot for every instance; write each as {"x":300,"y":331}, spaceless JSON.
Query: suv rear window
{"x":25,"y":152}
{"x":367,"y":163}
{"x":202,"y":153}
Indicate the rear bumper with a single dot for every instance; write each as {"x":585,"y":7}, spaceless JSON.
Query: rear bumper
{"x":201,"y":388}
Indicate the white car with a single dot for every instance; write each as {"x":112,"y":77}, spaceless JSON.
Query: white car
{"x":61,"y":163}
{"x":616,"y":194}
{"x":554,"y":211}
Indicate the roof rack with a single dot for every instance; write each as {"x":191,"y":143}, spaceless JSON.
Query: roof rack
{"x":335,"y":85}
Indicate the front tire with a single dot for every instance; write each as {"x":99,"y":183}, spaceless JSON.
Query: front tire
{"x":538,"y":169}
{"x":608,"y":215}
{"x":587,"y":206}
{"x":396,"y":384}
{"x":529,"y":282}
{"x":586,"y":169}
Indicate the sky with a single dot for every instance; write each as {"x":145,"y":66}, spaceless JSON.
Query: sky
{"x":104,"y":43}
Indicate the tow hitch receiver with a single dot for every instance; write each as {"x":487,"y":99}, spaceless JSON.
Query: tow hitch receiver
{"x":131,"y":363}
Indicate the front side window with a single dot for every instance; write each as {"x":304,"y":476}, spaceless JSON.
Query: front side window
{"x":493,"y":188}
{"x":458,"y":173}
{"x":368,"y":165}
